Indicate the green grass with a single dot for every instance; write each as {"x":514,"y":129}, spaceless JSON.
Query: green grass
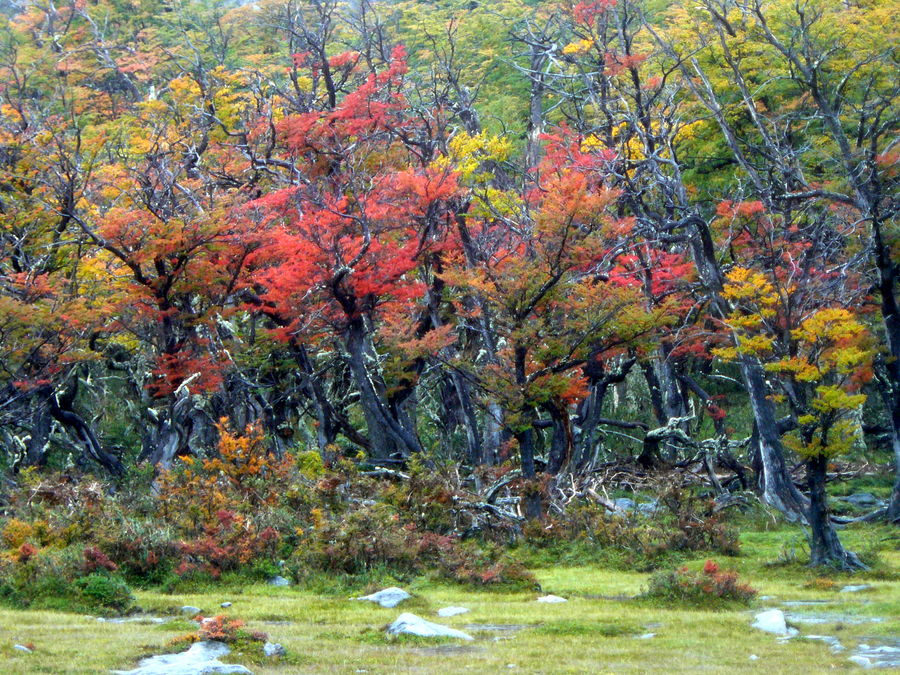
{"x":596,"y":631}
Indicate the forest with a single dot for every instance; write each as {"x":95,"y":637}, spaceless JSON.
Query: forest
{"x":302,"y":299}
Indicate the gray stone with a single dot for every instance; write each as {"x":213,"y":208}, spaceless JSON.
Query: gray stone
{"x":226,"y":605}
{"x":452,"y":611}
{"x":190,"y":609}
{"x":646,"y":636}
{"x":279,"y":581}
{"x":624,"y":504}
{"x":22,"y":648}
{"x":862,"y":499}
{"x":273,"y":649}
{"x":133,"y":619}
{"x":551,"y":599}
{"x":201,"y":659}
{"x":410,"y":624}
{"x":856,"y":588}
{"x":883,"y":656}
{"x":499,"y":627}
{"x":772,"y":621}
{"x":832,"y":617}
{"x":388,"y":597}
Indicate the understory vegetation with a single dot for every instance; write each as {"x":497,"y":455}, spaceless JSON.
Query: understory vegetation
{"x":330,"y":295}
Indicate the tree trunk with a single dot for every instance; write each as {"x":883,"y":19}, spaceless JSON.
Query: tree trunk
{"x":386,"y":435}
{"x":777,"y":487}
{"x":825,"y":549}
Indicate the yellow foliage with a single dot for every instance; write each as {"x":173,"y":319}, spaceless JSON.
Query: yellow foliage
{"x":578,"y":47}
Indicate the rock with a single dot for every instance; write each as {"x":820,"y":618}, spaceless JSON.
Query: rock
{"x":884,"y":656}
{"x":863,"y":499}
{"x":551,"y":599}
{"x":410,"y":624}
{"x":832,"y":617}
{"x":133,"y":619}
{"x":279,"y":581}
{"x":646,"y":636}
{"x":499,"y":627}
{"x":856,"y":588}
{"x":772,"y":621}
{"x":624,"y":504}
{"x":273,"y":649}
{"x":388,"y":597}
{"x":190,"y":609}
{"x":452,"y":611}
{"x":22,"y":648}
{"x":829,"y":640}
{"x":226,"y":605}
{"x":753,"y":657}
{"x":201,"y":659}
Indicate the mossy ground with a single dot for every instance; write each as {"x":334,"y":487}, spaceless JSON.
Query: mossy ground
{"x":596,"y":631}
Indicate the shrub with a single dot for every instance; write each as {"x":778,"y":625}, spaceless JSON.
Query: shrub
{"x":710,"y":586}
{"x":102,"y":590}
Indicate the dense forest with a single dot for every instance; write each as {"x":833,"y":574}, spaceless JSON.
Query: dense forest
{"x":278,"y":275}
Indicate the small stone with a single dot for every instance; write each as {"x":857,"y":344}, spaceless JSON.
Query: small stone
{"x":225,"y":604}
{"x":856,"y":588}
{"x":273,"y":649}
{"x":22,"y":648}
{"x":388,"y":597}
{"x":646,"y":636}
{"x":452,"y":611}
{"x":190,"y":609}
{"x":279,"y":581}
{"x":410,"y":624}
{"x":772,"y":621}
{"x":753,"y":657}
{"x":551,"y":599}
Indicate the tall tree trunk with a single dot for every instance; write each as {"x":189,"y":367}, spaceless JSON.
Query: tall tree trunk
{"x":777,"y":487}
{"x":825,"y":549}
{"x":386,"y":435}
{"x":525,"y":437}
{"x":39,"y":437}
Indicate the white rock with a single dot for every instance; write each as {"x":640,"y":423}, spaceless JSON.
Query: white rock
{"x":452,"y":611}
{"x":388,"y":597}
{"x":861,"y":661}
{"x":410,"y":624}
{"x":133,"y":619}
{"x":201,"y":659}
{"x":753,"y":657}
{"x":190,"y":609}
{"x":22,"y":648}
{"x":279,"y":581}
{"x":551,"y":599}
{"x":772,"y":621}
{"x":273,"y":649}
{"x":226,"y":605}
{"x":856,"y":588}
{"x":646,"y":636}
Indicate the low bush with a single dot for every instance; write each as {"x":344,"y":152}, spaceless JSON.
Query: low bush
{"x":709,"y":587}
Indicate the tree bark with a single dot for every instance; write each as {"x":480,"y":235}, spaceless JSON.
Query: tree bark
{"x":825,"y":549}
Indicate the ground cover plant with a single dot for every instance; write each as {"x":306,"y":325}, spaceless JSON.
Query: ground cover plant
{"x":493,"y":301}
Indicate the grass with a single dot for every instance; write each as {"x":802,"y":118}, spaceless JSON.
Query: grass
{"x":596,"y":631}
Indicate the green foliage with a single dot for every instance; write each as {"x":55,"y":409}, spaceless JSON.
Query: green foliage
{"x":710,"y":587}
